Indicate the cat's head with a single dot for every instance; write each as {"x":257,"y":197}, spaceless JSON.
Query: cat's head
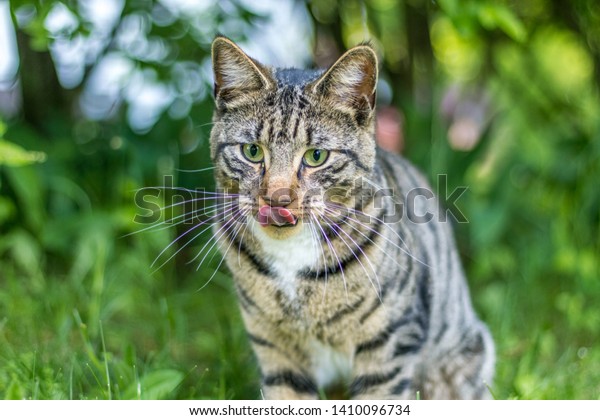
{"x":289,"y":141}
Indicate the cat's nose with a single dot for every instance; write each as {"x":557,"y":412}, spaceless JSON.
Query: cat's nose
{"x":278,"y":191}
{"x":278,"y":195}
{"x":278,"y":200}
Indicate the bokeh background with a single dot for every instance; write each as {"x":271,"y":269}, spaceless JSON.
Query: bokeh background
{"x":99,"y":98}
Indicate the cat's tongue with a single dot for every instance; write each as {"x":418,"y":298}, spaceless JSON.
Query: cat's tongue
{"x":277,"y":216}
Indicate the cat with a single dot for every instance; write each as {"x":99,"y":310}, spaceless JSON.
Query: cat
{"x":333,"y":294}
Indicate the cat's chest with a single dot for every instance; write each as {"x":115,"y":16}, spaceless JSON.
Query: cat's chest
{"x":286,"y":258}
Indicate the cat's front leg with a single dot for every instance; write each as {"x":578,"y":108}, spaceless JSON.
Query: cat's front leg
{"x":281,"y":360}
{"x":288,"y":385}
{"x":284,"y":375}
{"x":375,"y":379}
{"x":282,"y":378}
{"x":387,"y":358}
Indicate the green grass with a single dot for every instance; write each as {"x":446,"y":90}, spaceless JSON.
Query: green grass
{"x":110,"y":328}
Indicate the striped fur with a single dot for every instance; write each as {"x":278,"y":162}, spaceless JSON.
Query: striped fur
{"x":345,"y":297}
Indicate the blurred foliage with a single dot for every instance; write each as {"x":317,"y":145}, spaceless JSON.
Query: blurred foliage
{"x":13,"y":155}
{"x":502,"y":96}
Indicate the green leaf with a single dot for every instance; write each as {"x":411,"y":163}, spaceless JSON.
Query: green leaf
{"x":14,"y":155}
{"x":451,"y":7}
{"x":14,"y":391}
{"x":26,"y":251}
{"x":7,"y":211}
{"x":497,"y":16}
{"x":30,"y":191}
{"x":155,"y":385}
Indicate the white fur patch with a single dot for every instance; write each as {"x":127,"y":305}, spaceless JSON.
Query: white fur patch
{"x":288,"y":256}
{"x":329,"y":365}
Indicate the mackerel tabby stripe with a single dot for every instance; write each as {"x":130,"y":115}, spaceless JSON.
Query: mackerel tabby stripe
{"x":298,"y":382}
{"x":363,"y":383}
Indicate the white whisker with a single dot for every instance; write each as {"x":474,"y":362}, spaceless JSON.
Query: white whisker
{"x":241,"y":214}
{"x":335,"y":230}
{"x":188,"y":242}
{"x":195,"y":170}
{"x":393,"y":259}
{"x":170,"y":222}
{"x":227,"y":226}
{"x":358,"y":212}
{"x":318,"y":243}
{"x":329,"y":244}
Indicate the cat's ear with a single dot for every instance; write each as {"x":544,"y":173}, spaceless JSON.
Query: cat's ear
{"x":351,"y":81}
{"x":235,"y":73}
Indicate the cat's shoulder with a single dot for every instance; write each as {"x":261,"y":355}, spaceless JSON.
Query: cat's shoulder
{"x":401,"y":169}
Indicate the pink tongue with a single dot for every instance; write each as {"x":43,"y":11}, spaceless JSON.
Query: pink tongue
{"x":278,"y":216}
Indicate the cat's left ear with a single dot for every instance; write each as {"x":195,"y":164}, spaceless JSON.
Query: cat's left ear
{"x":236,"y":74}
{"x":351,"y":81}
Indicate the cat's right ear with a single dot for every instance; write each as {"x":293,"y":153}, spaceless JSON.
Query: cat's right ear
{"x":236,"y":74}
{"x":351,"y":81}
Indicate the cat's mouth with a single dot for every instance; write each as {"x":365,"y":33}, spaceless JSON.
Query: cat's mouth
{"x":276,"y":216}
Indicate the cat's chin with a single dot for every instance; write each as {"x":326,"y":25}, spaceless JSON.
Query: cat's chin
{"x":282,"y":232}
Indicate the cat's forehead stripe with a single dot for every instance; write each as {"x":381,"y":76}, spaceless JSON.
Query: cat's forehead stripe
{"x":295,"y":77}
{"x":287,"y":116}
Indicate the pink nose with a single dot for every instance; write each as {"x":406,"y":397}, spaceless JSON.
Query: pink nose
{"x":277,"y":216}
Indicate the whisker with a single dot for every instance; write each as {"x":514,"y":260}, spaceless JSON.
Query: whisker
{"x":196,"y":200}
{"x":338,"y":229}
{"x":224,"y":254}
{"x":240,"y":244}
{"x":358,"y":212}
{"x":169,"y":222}
{"x":334,"y":253}
{"x":188,"y":242}
{"x":208,"y":123}
{"x":393,"y":259}
{"x":222,"y":231}
{"x":196,"y":170}
{"x":320,"y":244}
{"x":317,"y":245}
{"x":196,"y":191}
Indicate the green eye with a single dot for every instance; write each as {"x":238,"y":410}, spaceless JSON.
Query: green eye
{"x":253,"y":152}
{"x":315,"y":157}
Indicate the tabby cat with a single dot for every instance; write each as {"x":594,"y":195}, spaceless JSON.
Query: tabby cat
{"x":335,"y":289}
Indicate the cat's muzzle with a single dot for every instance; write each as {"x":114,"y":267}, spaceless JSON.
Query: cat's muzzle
{"x":276,"y":216}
